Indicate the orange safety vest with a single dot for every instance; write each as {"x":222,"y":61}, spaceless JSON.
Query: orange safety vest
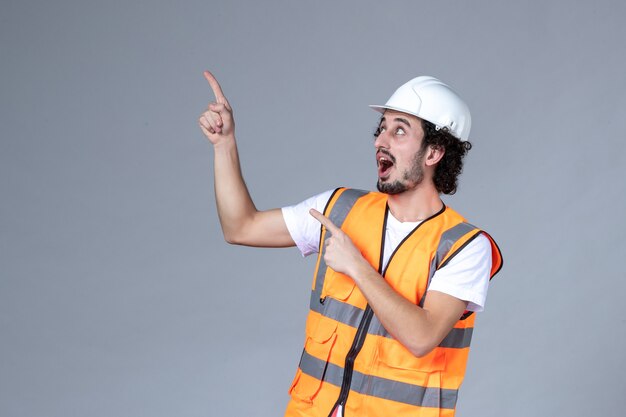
{"x":349,"y":358}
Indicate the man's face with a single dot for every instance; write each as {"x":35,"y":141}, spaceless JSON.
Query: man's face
{"x":398,"y":152}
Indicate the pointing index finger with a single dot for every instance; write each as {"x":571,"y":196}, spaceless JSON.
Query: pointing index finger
{"x":215,"y":86}
{"x":325,"y":221}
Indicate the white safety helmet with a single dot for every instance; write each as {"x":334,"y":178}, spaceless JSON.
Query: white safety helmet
{"x":430,"y":99}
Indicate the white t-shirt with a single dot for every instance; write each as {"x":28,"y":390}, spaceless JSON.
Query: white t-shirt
{"x":465,"y":277}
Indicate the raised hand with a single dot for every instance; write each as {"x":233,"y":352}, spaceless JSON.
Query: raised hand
{"x":341,"y":255}
{"x":217,"y":121}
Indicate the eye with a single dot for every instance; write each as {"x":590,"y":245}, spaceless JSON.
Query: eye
{"x":379,"y":130}
{"x":400,"y":131}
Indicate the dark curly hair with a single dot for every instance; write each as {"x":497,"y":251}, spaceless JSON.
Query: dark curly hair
{"x":449,"y":168}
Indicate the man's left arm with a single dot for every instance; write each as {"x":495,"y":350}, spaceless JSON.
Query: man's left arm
{"x":418,"y":329}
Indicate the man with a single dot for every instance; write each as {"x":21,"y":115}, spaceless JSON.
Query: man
{"x":399,"y":273}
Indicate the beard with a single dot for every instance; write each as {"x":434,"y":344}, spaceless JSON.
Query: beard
{"x":411,"y":178}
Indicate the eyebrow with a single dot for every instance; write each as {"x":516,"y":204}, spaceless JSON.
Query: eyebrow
{"x":397,"y":119}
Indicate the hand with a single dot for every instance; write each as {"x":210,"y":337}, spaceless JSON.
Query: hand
{"x":217,"y":121}
{"x":341,"y":255}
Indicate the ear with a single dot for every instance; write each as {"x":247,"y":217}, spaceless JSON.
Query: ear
{"x":434,"y":155}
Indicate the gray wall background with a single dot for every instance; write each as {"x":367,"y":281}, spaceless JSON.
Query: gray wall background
{"x":118,"y":296}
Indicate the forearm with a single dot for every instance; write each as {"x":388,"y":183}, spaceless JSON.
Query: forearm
{"x":405,"y":321}
{"x":234,"y":205}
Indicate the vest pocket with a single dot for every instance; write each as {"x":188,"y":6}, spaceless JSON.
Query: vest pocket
{"x":321,"y":337}
{"x":418,"y":391}
{"x":338,"y":286}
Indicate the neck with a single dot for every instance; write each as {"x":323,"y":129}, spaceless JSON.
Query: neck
{"x":417,"y":204}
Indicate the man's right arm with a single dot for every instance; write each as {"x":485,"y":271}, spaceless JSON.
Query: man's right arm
{"x":241,"y":222}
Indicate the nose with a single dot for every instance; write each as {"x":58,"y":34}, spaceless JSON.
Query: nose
{"x":382,"y":140}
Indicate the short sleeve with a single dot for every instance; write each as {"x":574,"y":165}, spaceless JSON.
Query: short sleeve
{"x":303,"y":228}
{"x":466,"y":276}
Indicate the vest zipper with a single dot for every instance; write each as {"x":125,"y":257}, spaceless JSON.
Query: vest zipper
{"x":357,"y":344}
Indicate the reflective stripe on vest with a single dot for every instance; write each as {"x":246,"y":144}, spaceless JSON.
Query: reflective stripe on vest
{"x":380,"y":387}
{"x":351,"y":316}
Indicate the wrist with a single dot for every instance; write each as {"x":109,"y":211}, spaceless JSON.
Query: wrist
{"x":361,"y":270}
{"x":227,"y":144}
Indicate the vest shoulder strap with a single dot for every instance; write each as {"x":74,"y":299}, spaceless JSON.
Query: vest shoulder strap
{"x":341,"y":202}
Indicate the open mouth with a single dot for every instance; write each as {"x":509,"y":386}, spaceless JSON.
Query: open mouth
{"x":385,"y":163}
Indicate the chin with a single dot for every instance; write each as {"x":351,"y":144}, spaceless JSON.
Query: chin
{"x":391,"y":188}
